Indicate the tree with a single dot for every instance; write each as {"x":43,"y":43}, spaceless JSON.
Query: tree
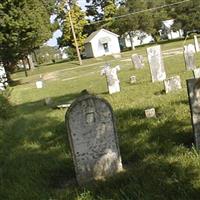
{"x":24,"y":26}
{"x":79,"y":21}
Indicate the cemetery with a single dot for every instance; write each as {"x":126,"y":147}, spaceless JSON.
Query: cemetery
{"x":136,"y":143}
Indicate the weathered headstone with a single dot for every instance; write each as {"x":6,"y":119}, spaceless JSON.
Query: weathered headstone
{"x":39,"y":84}
{"x":113,"y":82}
{"x":3,"y":78}
{"x":196,"y":73}
{"x":193,"y":86}
{"x":137,"y":61}
{"x":93,"y":138}
{"x":196,"y":44}
{"x":173,"y":83}
{"x":189,"y":55}
{"x":150,"y":113}
{"x":156,"y":63}
{"x":133,"y":79}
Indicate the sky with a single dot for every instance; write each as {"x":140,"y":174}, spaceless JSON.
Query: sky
{"x":53,"y":41}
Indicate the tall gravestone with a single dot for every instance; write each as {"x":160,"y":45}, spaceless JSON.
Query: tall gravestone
{"x":112,"y":79}
{"x":173,"y":83}
{"x":193,"y":86}
{"x":189,"y":55}
{"x":3,"y":78}
{"x":93,"y":138}
{"x":137,"y":61}
{"x":196,"y":44}
{"x":196,"y":73}
{"x":156,"y":63}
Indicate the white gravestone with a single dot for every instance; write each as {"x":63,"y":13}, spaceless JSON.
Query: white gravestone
{"x":93,"y":138}
{"x":137,"y":61}
{"x":156,"y":63}
{"x":193,"y":86}
{"x":113,"y":82}
{"x":196,"y":73}
{"x":173,"y":83}
{"x":133,"y":79}
{"x":3,"y":79}
{"x":189,"y":55}
{"x":196,"y":44}
{"x":150,"y":113}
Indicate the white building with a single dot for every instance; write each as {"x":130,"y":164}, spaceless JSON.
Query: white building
{"x":100,"y":43}
{"x":139,"y":38}
{"x":166,"y":31}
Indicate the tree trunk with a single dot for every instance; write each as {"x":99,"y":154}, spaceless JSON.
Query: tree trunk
{"x":36,"y":59}
{"x":131,"y":40}
{"x":25,"y":70}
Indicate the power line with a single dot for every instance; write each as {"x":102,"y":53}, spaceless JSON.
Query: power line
{"x":141,"y":11}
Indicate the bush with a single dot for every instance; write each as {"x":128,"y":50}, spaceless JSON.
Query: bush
{"x":6,"y":109}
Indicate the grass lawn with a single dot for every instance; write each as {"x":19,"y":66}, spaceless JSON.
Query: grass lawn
{"x":158,"y":155}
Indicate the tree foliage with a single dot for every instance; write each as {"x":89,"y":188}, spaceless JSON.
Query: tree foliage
{"x":24,"y":26}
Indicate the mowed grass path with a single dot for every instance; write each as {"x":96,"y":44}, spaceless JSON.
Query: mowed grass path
{"x":158,"y":155}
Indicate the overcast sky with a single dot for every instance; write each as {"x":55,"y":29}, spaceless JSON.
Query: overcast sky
{"x":58,"y":33}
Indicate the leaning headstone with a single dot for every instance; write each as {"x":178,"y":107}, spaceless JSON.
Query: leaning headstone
{"x":93,"y":138}
{"x":196,"y":73}
{"x":112,"y":79}
{"x":133,"y":79}
{"x":137,"y":61}
{"x":3,"y":78}
{"x":196,"y":44}
{"x":150,"y":113}
{"x":193,"y":86}
{"x":173,"y":83}
{"x":189,"y":55}
{"x":156,"y":63}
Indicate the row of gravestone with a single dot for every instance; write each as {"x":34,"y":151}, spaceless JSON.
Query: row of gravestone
{"x":3,"y":78}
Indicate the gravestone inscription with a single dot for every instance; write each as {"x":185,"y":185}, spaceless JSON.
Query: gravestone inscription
{"x":93,"y":138}
{"x":193,"y":86}
{"x":137,"y":61}
{"x":196,"y":73}
{"x":189,"y":56}
{"x":112,"y":79}
{"x":156,"y":63}
{"x":173,"y":83}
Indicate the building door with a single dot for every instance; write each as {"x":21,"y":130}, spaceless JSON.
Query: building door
{"x":105,"y":46}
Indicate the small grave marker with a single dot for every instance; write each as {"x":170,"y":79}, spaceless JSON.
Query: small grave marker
{"x":93,"y":138}
{"x":112,"y":79}
{"x":193,"y":86}
{"x":173,"y":83}
{"x":156,"y":63}
{"x":150,"y":113}
{"x":133,"y":79}
{"x":189,"y":55}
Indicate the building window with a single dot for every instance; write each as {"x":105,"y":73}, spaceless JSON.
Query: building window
{"x":105,"y":46}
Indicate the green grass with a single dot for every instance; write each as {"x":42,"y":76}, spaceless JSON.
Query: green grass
{"x":158,"y":155}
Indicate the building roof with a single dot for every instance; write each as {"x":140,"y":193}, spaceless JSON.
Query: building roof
{"x":168,"y":23}
{"x":92,"y":35}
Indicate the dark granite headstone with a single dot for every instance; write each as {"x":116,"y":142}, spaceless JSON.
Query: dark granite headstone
{"x":93,"y":138}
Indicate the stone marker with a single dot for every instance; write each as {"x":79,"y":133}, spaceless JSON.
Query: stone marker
{"x":156,"y":63}
{"x":196,"y":73}
{"x":113,"y":82}
{"x":117,"y":56}
{"x":196,"y":44}
{"x":137,"y":61}
{"x":93,"y":138}
{"x":193,"y":86}
{"x":189,"y":55}
{"x":173,"y":83}
{"x":150,"y":113}
{"x":133,"y":79}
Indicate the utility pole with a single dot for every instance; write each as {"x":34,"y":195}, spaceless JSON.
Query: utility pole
{"x":74,"y":35}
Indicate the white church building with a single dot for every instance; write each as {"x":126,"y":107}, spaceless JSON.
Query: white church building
{"x":101,"y":43}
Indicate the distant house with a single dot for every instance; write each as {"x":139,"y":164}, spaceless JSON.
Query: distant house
{"x":166,"y":31}
{"x":139,"y":38}
{"x":100,"y":43}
